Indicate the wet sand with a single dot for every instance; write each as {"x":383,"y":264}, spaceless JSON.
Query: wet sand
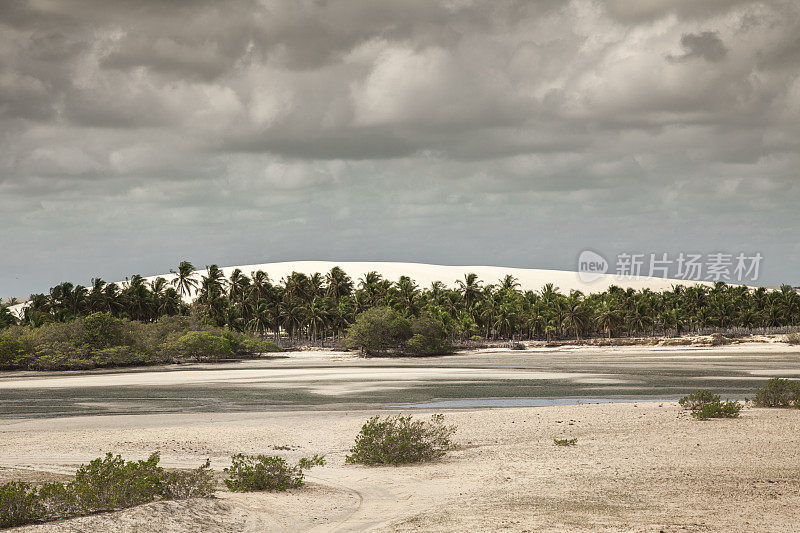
{"x":337,"y":380}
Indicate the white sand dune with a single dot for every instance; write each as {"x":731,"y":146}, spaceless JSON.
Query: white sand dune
{"x":424,"y":275}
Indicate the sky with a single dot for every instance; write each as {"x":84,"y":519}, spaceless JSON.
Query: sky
{"x":136,"y":134}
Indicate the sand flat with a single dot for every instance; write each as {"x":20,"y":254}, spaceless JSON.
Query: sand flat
{"x":637,"y":467}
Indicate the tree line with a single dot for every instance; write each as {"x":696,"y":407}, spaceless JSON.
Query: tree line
{"x":318,"y":307}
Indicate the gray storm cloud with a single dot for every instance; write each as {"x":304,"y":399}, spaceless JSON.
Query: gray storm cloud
{"x":135,"y":134}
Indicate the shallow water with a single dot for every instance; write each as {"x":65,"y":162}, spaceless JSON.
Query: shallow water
{"x":333,"y":380}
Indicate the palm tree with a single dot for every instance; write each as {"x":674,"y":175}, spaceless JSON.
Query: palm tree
{"x":338,"y":284}
{"x":576,"y":316}
{"x":137,"y":298}
{"x":260,"y":285}
{"x":407,"y":296}
{"x":509,"y":283}
{"x":6,"y":317}
{"x":371,"y":285}
{"x":470,"y":289}
{"x":262,"y":318}
{"x":291,"y":317}
{"x":317,"y":315}
{"x":238,"y":284}
{"x":212,"y":284}
{"x":608,"y":318}
{"x":184,"y":279}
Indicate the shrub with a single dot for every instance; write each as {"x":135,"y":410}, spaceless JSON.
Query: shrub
{"x":398,"y":439}
{"x":718,"y":339}
{"x":59,"y":500}
{"x":378,"y":330}
{"x":262,"y":472}
{"x":105,"y":484}
{"x":428,"y":337}
{"x":199,"y":345}
{"x":10,"y":349}
{"x":697,"y":400}
{"x":778,"y":392}
{"x":183,"y":484}
{"x":726,"y":409}
{"x":102,"y":330}
{"x":102,"y":340}
{"x":242,"y":344}
{"x":565,"y":442}
{"x":119,"y":356}
{"x":59,"y":356}
{"x":19,"y":504}
{"x":113,"y":483}
{"x":792,"y":338}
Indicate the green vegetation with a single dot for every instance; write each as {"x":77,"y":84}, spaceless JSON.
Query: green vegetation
{"x":105,"y":484}
{"x":566,"y":442}
{"x":778,"y":392}
{"x":697,"y":400}
{"x":379,"y":316}
{"x":399,"y":439}
{"x":19,"y":504}
{"x":718,"y":409}
{"x":704,"y":405}
{"x":792,"y":338}
{"x":261,"y":472}
{"x":102,"y":340}
{"x":382,"y":330}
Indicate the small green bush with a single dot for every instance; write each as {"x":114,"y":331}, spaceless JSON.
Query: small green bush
{"x":19,"y":504}
{"x":102,"y":330}
{"x":792,"y":338}
{"x":428,"y":338}
{"x":378,"y":330}
{"x":399,"y":439}
{"x":101,"y":340}
{"x":778,"y":392}
{"x":262,"y":472}
{"x":565,"y":442}
{"x":183,"y":484}
{"x":717,"y":339}
{"x":105,"y":484}
{"x":59,"y":500}
{"x":113,"y":483}
{"x":242,"y":344}
{"x":726,"y":409}
{"x":59,"y":356}
{"x":10,"y":349}
{"x":201,"y":345}
{"x":119,"y":356}
{"x":697,"y":400}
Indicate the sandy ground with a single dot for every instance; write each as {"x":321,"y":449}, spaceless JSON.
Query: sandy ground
{"x":636,"y":467}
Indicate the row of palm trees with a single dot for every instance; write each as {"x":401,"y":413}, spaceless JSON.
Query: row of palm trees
{"x":317,"y":307}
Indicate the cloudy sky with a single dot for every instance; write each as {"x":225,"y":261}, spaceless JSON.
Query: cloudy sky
{"x":138,"y":133}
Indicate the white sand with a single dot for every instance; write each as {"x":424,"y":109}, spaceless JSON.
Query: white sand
{"x":641,"y":467}
{"x":424,"y":275}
